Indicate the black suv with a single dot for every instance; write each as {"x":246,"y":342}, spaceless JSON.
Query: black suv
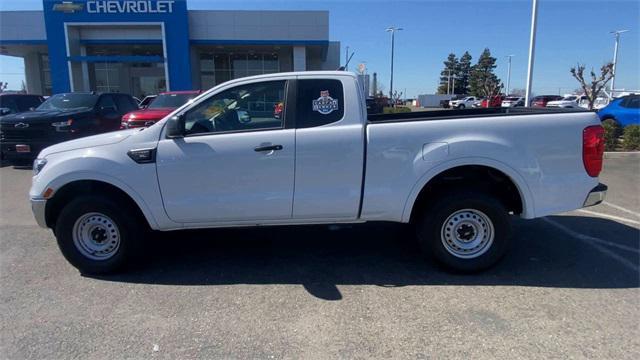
{"x":60,"y":118}
{"x":16,"y":103}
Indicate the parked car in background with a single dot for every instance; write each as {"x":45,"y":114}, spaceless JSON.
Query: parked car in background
{"x":17,"y":103}
{"x":374,"y":105}
{"x":542,"y":100}
{"x":225,"y":160}
{"x":466,"y":102}
{"x":60,"y":118}
{"x":623,"y":110}
{"x":567,"y":102}
{"x":495,"y":101}
{"x":597,"y":105}
{"x":160,"y":107}
{"x":142,"y":104}
{"x":512,"y":101}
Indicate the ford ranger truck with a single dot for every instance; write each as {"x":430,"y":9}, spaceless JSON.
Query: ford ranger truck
{"x":226,"y":160}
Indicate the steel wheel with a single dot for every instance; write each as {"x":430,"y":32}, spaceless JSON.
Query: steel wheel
{"x":467,"y":233}
{"x":96,"y":236}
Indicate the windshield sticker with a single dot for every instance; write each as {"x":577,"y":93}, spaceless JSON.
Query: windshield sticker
{"x":325,"y":104}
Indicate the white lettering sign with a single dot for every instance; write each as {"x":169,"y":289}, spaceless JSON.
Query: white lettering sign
{"x":130,"y":6}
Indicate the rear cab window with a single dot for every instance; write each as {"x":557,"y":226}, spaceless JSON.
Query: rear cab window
{"x":319,"y":102}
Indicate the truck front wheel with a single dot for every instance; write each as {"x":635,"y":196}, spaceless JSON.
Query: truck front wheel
{"x":465,"y":231}
{"x":96,"y":235}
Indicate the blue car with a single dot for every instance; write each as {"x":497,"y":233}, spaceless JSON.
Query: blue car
{"x":624,"y":110}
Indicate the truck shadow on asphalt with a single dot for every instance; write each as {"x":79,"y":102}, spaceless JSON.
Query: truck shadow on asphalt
{"x":321,"y":258}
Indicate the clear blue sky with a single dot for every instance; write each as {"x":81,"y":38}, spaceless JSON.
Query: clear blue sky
{"x":568,"y":32}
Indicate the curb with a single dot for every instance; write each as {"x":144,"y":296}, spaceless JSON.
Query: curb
{"x":621,"y":154}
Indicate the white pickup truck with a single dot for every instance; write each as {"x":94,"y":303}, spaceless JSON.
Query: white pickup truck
{"x":230,"y":158}
{"x":466,"y":102}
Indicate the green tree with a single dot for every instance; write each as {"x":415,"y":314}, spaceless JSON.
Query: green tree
{"x":483,"y":81}
{"x":448,"y":73}
{"x":463,"y":74}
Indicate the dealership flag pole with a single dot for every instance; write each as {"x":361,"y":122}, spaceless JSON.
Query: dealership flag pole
{"x":532,"y":50}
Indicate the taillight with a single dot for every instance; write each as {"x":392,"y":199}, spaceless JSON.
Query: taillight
{"x":593,"y":149}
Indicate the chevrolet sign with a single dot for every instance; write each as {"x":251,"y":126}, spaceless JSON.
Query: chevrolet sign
{"x":68,"y":7}
{"x":130,"y":6}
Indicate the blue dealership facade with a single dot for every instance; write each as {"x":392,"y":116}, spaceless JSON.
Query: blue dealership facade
{"x":148,"y":46}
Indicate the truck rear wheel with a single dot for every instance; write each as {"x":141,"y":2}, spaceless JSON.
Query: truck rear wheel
{"x":466,"y":232}
{"x":97,"y":236}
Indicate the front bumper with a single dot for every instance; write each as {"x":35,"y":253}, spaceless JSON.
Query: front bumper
{"x":38,"y":206}
{"x":9,"y":152}
{"x":596,"y":195}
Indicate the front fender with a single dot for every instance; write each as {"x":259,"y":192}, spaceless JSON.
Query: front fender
{"x":136,"y":180}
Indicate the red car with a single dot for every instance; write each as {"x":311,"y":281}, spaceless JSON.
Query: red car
{"x":496,"y":101}
{"x":160,"y":107}
{"x":542,"y":100}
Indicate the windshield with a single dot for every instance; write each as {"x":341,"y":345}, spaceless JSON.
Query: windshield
{"x":170,"y":100}
{"x":512,"y":99}
{"x":569,"y":98}
{"x":69,"y":101}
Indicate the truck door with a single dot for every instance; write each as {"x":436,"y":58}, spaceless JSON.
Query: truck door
{"x":329,"y":148}
{"x":236,"y":160}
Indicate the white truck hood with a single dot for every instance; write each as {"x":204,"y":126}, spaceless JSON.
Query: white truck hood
{"x":89,"y":141}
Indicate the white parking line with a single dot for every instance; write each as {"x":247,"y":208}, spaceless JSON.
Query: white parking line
{"x":621,"y":208}
{"x":607,"y":216}
{"x":598,"y":244}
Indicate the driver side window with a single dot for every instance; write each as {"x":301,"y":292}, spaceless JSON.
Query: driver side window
{"x":242,"y":108}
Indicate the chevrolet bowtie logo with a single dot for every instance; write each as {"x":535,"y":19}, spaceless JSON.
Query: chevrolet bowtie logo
{"x":68,"y":7}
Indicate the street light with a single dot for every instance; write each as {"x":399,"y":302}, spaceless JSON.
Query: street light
{"x":615,"y":59}
{"x":509,"y":74}
{"x":392,"y":30}
{"x":532,"y":50}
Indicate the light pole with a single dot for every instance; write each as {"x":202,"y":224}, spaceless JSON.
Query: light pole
{"x":615,"y":60}
{"x":392,"y":30}
{"x":509,"y":74}
{"x":532,"y":50}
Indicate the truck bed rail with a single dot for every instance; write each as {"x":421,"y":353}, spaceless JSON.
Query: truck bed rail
{"x":466,"y":113}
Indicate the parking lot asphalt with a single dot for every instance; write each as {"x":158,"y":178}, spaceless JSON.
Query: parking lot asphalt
{"x":569,"y":287}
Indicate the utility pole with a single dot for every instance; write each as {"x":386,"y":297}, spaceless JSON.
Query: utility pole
{"x":532,"y":50}
{"x":509,"y":74}
{"x":392,"y":30}
{"x":615,"y":60}
{"x":448,"y":81}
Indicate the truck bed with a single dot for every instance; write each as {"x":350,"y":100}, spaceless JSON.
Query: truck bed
{"x":466,"y":113}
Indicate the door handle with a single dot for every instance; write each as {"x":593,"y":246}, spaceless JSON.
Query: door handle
{"x":268,"y":148}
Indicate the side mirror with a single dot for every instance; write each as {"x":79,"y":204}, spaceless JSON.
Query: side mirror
{"x":175,"y":127}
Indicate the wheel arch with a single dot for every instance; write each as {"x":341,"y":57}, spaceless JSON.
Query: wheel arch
{"x":427,"y":182}
{"x":87,"y":184}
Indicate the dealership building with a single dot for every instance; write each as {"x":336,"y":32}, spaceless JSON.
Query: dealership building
{"x":144,"y":47}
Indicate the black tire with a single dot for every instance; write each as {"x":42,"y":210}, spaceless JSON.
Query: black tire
{"x":431,"y":236}
{"x":131,"y":230}
{"x":461,"y":106}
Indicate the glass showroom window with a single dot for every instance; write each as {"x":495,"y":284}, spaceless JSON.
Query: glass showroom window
{"x":107,"y":77}
{"x":218,"y":68}
{"x":45,"y":74}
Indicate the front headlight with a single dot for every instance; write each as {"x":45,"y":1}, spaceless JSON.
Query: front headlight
{"x":38,"y":164}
